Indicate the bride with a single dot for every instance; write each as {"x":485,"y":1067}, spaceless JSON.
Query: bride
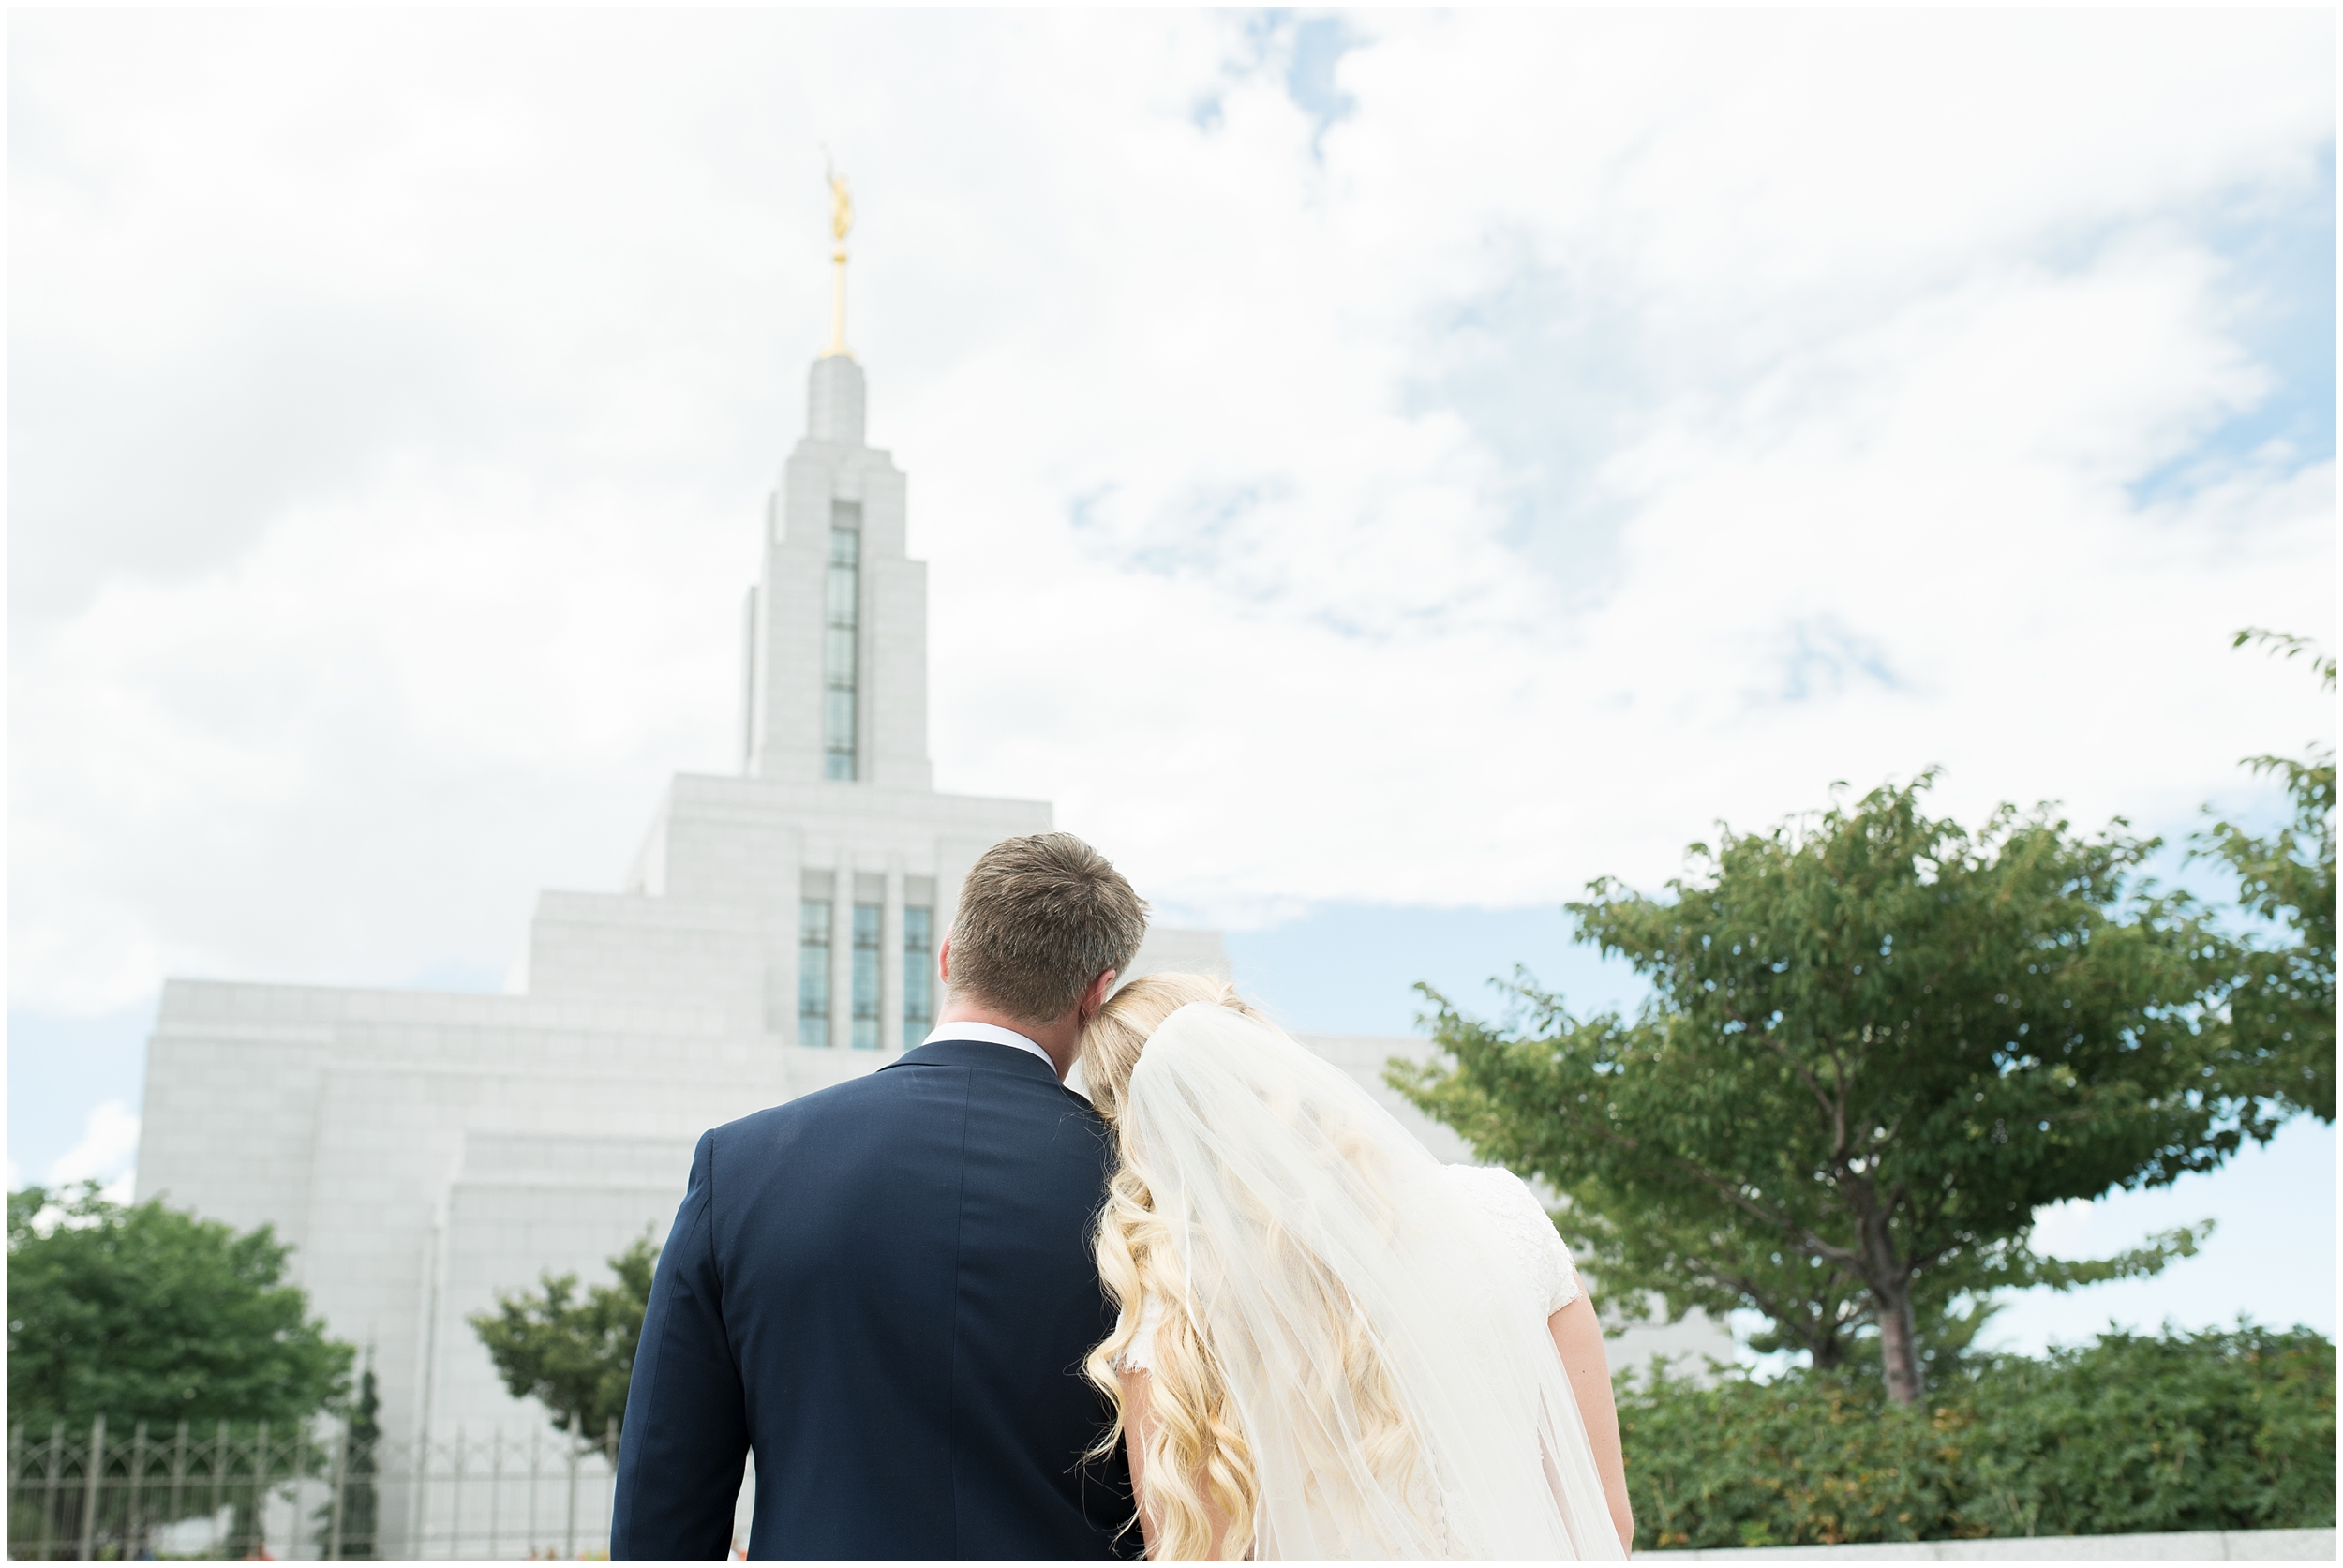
{"x":1331,"y":1346}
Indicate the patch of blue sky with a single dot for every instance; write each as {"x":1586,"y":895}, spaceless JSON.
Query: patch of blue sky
{"x":1351,"y":968}
{"x":1319,"y":44}
{"x":1822,"y":658}
{"x":60,"y":1069}
{"x":1344,"y":968}
{"x":1196,"y":537}
{"x":1552,"y":384}
{"x":1311,"y":45}
{"x":2281,"y":291}
{"x":456,"y":975}
{"x":2271,"y":1258}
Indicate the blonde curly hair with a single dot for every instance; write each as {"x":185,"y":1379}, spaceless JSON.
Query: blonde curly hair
{"x":1195,"y":1459}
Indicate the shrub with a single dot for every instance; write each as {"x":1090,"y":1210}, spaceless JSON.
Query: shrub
{"x":2218,"y":1430}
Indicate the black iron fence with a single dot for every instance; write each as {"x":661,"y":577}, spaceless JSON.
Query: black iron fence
{"x":305,"y":1491}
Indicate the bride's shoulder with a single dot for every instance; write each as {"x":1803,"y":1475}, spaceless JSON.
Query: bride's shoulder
{"x":1504,"y":1197}
{"x":1494,"y":1188}
{"x":1514,"y":1209}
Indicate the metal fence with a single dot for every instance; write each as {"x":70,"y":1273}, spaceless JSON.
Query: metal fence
{"x":304,"y":1492}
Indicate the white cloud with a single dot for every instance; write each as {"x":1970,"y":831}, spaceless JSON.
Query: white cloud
{"x":108,"y":1153}
{"x":2065,"y":1229}
{"x":1612,"y":423}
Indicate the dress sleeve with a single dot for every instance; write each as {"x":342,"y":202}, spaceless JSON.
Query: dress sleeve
{"x":1561,"y":1274}
{"x":1544,"y":1257}
{"x":1549,"y":1264}
{"x":1139,"y":1355}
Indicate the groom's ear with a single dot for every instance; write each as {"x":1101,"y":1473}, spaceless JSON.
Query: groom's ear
{"x":1095,"y":997}
{"x":944,"y":962}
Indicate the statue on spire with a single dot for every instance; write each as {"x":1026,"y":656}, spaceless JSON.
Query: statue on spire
{"x":841,"y":206}
{"x":840,"y":222}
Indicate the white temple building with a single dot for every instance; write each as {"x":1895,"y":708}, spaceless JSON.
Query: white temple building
{"x":423,"y":1150}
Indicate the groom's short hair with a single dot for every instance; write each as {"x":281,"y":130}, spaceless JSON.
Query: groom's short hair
{"x":1040,"y":919}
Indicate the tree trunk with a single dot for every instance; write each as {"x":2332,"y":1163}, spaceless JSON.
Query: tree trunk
{"x":1899,"y":1343}
{"x":1889,"y":1281}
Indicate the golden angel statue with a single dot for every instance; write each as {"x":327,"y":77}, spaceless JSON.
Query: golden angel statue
{"x":841,"y":206}
{"x":841,"y":221}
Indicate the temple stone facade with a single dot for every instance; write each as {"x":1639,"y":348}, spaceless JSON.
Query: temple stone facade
{"x":774,"y":935}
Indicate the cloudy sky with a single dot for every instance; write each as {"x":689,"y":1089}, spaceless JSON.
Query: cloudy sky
{"x":1378,"y":471}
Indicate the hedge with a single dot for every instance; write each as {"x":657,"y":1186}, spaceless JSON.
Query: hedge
{"x":2219,"y":1430}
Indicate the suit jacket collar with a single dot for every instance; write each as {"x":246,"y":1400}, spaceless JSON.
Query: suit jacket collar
{"x":987,"y":1054}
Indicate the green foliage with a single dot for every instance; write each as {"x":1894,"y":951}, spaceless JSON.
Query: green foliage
{"x":142,"y":1313}
{"x":573,"y":1356}
{"x":2218,"y":1430}
{"x":1878,"y":1043}
{"x":2282,"y":1007}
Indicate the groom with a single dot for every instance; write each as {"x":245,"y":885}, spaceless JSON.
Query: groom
{"x":886,"y":1290}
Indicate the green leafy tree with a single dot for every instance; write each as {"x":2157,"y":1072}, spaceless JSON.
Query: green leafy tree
{"x":1720,"y":1260}
{"x":573,"y":1354}
{"x":143,"y":1313}
{"x":1878,"y":1043}
{"x":2281,"y":1044}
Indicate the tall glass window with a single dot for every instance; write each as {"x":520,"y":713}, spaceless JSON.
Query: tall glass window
{"x":841,"y":638}
{"x":814,"y":972}
{"x":919,"y":975}
{"x":866,"y":976}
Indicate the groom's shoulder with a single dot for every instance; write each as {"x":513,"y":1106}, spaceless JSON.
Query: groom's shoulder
{"x":847,"y":1101}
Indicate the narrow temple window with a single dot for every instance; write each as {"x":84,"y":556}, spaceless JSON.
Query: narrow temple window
{"x":866,"y":976}
{"x":814,"y":972}
{"x":918,"y":974}
{"x":841,"y":638}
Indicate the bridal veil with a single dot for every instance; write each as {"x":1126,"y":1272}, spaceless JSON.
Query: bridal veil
{"x":1398,"y":1393}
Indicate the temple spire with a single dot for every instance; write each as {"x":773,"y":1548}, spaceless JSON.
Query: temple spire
{"x":841,"y":221}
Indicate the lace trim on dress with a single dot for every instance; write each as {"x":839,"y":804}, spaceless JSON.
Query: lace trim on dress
{"x":1530,"y":1236}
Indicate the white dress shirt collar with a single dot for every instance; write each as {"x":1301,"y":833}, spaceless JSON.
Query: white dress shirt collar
{"x":991,"y":1031}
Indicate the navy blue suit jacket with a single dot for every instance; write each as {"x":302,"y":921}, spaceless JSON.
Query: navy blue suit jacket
{"x":886,"y":1290}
